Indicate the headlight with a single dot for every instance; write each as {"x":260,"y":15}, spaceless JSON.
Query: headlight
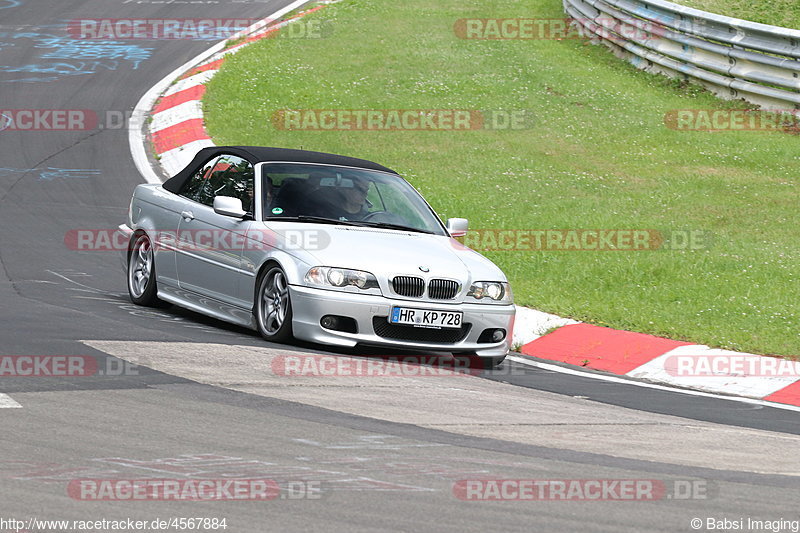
{"x":340,"y":277}
{"x":491,"y":291}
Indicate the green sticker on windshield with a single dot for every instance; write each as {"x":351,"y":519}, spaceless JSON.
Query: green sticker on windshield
{"x":277,"y":210}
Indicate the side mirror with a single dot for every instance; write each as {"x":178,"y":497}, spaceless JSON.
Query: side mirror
{"x":457,"y":227}
{"x":229,"y":207}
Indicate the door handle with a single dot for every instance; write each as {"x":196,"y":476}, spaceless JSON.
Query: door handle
{"x":187,"y":215}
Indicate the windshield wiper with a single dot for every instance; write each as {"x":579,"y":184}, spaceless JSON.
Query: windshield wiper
{"x":360,"y":223}
{"x":309,"y":218}
{"x":388,"y":225}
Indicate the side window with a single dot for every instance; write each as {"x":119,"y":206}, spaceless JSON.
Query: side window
{"x":227,"y":175}
{"x":231,"y":176}
{"x":193,"y":187}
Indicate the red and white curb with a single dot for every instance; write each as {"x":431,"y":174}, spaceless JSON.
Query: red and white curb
{"x":180,"y":132}
{"x":676,"y":363}
{"x":177,"y":132}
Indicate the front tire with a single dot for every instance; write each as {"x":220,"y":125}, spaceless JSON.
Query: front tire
{"x":273,"y":307}
{"x":142,"y":273}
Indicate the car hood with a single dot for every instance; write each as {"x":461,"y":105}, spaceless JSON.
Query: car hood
{"x":384,"y":252}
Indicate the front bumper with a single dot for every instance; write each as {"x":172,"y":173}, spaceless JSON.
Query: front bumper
{"x":309,"y":305}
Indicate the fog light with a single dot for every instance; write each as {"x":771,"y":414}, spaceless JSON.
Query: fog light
{"x":339,"y":323}
{"x":492,"y":335}
{"x":329,"y":322}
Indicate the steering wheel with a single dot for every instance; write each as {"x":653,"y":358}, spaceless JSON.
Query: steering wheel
{"x":375,"y":214}
{"x":386,"y":217}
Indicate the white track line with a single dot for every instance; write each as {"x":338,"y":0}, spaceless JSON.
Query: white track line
{"x":614,"y":379}
{"x":136,"y":137}
{"x":7,"y":402}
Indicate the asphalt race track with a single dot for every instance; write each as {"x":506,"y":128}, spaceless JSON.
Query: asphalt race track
{"x":184,"y":397}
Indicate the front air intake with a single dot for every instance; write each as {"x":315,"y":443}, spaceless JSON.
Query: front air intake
{"x":410,"y":286}
{"x":442,"y":289}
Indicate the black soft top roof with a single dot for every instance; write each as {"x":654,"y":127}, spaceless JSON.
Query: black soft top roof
{"x":259,"y":154}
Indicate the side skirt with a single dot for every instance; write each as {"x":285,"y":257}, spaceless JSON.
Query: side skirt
{"x":207,"y":306}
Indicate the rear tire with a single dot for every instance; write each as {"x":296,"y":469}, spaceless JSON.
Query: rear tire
{"x":142,"y":287}
{"x":273,"y":306}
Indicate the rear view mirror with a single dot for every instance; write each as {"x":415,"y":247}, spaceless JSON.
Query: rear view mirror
{"x":457,"y":227}
{"x":229,"y":207}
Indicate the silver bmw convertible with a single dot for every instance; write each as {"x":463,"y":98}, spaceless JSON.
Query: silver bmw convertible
{"x":315,"y":246}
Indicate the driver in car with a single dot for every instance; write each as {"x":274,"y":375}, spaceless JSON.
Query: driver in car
{"x":354,"y":204}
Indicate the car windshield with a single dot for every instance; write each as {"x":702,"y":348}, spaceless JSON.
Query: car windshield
{"x":342,"y":195}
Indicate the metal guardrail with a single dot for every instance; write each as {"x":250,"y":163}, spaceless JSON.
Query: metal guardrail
{"x":732,"y":58}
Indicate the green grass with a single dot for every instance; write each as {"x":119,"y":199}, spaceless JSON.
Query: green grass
{"x":597,"y":156}
{"x":784,"y":13}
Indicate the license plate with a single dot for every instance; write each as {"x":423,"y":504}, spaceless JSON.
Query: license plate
{"x":425,"y":318}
